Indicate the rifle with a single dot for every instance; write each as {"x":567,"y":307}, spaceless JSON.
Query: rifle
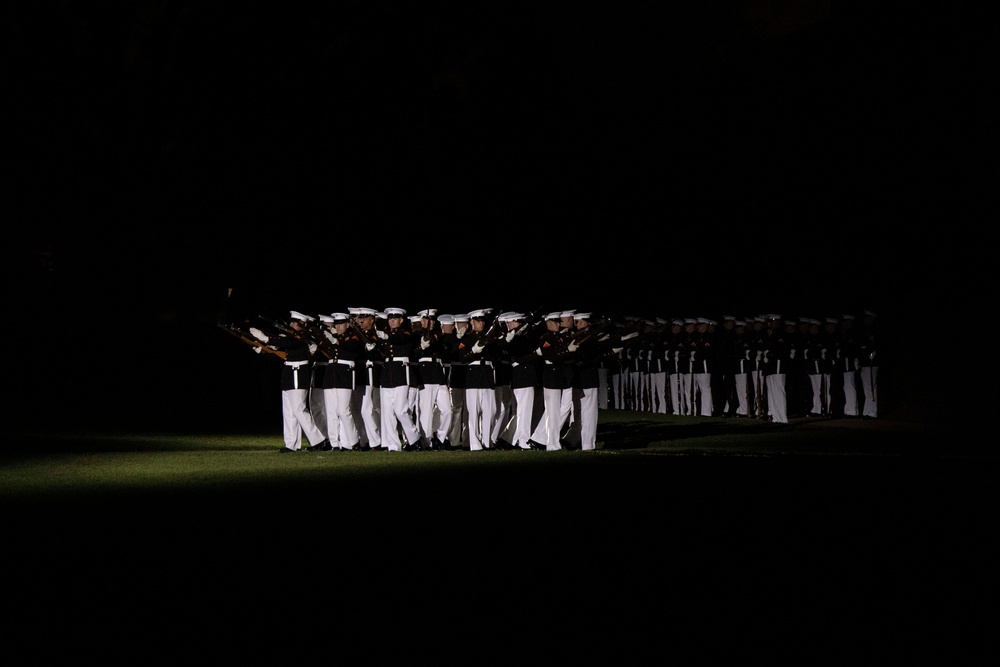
{"x":533,"y":319}
{"x":365,"y":338}
{"x":250,"y":340}
{"x":311,"y":333}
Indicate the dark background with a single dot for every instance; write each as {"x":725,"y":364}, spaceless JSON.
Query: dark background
{"x":660,"y":159}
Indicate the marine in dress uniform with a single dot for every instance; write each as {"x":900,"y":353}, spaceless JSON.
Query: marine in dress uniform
{"x":674,"y":352}
{"x":434,"y":400}
{"x":519,"y":345}
{"x":686,"y":384}
{"x":398,"y":347}
{"x":459,"y":436}
{"x":868,"y":357}
{"x":339,"y":383}
{"x":478,"y":351}
{"x":815,"y":368}
{"x":758,"y":379}
{"x":739,"y":361}
{"x":776,"y":357}
{"x":657,"y":363}
{"x":592,"y":347}
{"x":368,"y":378}
{"x":317,"y":399}
{"x":557,"y":386}
{"x":296,"y":381}
{"x":702,"y":358}
{"x":848,"y":364}
{"x":504,"y":396}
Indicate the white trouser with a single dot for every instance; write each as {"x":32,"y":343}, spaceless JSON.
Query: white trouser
{"x":703,"y":382}
{"x":850,"y":394}
{"x":816,"y":382}
{"x":501,"y":415}
{"x":584,"y":428}
{"x":685,"y":399}
{"x":435,"y":396}
{"x":317,"y":407}
{"x":741,"y":393}
{"x":524,"y":410}
{"x":553,"y":417}
{"x":658,"y":392}
{"x":459,"y":418}
{"x":777,"y":401}
{"x":396,"y":409}
{"x":297,"y":419}
{"x":481,"y":405}
{"x":341,"y":424}
{"x":367,"y":403}
{"x":869,"y":385}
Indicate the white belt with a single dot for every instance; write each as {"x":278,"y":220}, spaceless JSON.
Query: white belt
{"x":346,"y":362}
{"x":402,"y":360}
{"x":296,"y":364}
{"x":515,"y":364}
{"x":483,"y":363}
{"x":430,"y":359}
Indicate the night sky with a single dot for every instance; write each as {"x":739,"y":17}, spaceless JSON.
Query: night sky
{"x":656,"y":159}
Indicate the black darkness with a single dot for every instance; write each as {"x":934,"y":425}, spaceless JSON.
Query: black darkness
{"x":661,"y":159}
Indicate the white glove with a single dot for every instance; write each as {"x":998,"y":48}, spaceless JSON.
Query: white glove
{"x":369,"y":346}
{"x":791,"y":353}
{"x":604,"y":338}
{"x":538,"y":351}
{"x":805,"y":353}
{"x":258,"y":334}
{"x":765,"y":356}
{"x":460,"y":332}
{"x":630,"y":335}
{"x":616,"y":350}
{"x":857,"y":364}
{"x":573,"y":347}
{"x":330,"y":337}
{"x":510,"y":335}
{"x":822,"y":354}
{"x":477,"y":348}
{"x":313,"y":347}
{"x":381,"y":334}
{"x":424,"y":343}
{"x":694,"y":353}
{"x":258,"y":350}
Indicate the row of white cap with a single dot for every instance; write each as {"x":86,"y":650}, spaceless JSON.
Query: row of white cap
{"x":482,"y":313}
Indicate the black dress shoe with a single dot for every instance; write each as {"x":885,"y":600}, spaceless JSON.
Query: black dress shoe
{"x":446,"y":445}
{"x":285,"y":450}
{"x":324,"y":446}
{"x":503,"y":444}
{"x":537,"y":446}
{"x":380,"y":448}
{"x":357,"y":447}
{"x":436,"y":444}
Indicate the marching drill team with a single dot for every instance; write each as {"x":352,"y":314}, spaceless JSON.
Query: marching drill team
{"x":367,"y":380}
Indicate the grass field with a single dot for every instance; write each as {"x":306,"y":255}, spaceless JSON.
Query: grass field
{"x":875,"y":529}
